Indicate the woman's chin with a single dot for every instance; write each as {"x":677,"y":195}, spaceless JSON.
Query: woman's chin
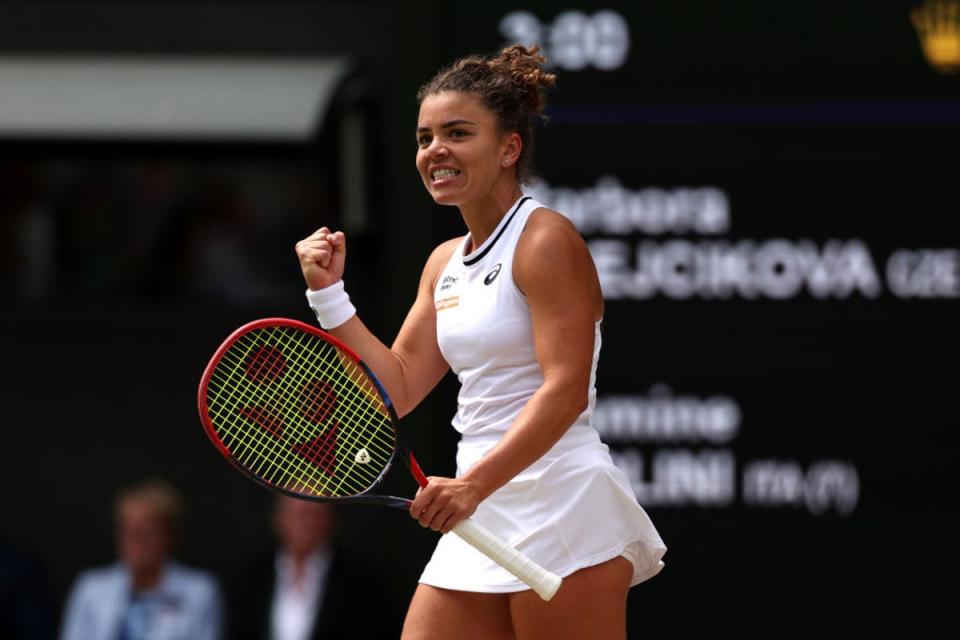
{"x":445,"y":197}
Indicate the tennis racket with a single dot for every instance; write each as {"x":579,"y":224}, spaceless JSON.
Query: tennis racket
{"x":296,"y":410}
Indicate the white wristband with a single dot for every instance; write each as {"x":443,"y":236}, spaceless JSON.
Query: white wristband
{"x":332,"y":305}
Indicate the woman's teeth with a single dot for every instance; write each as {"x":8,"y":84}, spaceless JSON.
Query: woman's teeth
{"x":440,"y":174}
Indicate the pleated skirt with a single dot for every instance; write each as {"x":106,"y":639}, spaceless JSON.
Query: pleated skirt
{"x":571,"y":509}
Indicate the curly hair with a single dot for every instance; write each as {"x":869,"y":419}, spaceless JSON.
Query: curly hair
{"x":511,"y":84}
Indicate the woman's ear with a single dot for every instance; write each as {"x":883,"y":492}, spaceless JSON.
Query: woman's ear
{"x":512,"y":147}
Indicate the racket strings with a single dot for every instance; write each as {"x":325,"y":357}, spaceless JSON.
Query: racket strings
{"x":300,"y":423}
{"x":360,"y":383}
{"x":300,"y":466}
{"x":262,"y":395}
{"x":361,"y":393}
{"x":250,"y":445}
{"x":248,"y":403}
{"x":302,"y":448}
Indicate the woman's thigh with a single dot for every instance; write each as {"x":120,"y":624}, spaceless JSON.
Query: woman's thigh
{"x":442,"y":614}
{"x":591,"y":603}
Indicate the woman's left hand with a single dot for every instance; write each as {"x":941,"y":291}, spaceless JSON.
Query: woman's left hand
{"x":444,"y":503}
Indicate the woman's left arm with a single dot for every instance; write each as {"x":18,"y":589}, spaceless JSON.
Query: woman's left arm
{"x":553,"y":268}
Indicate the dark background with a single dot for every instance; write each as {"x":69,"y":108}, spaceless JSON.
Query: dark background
{"x":818,"y":120}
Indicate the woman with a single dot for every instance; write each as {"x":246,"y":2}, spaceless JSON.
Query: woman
{"x":514,"y":307}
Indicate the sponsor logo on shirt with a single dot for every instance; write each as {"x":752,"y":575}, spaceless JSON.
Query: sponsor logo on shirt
{"x":492,"y":275}
{"x":448,"y":281}
{"x":447,"y":303}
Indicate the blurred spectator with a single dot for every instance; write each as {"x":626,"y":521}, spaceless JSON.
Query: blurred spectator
{"x":146,"y":596}
{"x":26,"y":608}
{"x":309,"y":589}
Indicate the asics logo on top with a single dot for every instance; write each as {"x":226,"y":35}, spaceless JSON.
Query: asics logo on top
{"x":492,"y":275}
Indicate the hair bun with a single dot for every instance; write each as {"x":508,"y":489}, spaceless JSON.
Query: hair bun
{"x":525,"y":68}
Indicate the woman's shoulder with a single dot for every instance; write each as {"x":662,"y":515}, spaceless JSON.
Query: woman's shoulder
{"x":445,"y":249}
{"x":442,"y":253}
{"x":439,"y":258}
{"x":547,"y":229}
{"x":551,"y":249}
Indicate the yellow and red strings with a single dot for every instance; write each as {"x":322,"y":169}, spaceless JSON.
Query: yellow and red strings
{"x":359,"y":412}
{"x":241,"y":396}
{"x":302,"y":373}
{"x":298,"y":462}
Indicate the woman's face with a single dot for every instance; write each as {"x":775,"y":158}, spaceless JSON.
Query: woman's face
{"x":461,"y":151}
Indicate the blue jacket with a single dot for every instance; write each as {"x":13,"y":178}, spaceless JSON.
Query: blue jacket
{"x":190,"y":605}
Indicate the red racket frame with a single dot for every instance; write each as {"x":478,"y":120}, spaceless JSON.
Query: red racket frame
{"x":361,"y":498}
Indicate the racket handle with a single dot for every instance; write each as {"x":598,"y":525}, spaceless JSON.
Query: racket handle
{"x":543,"y":582}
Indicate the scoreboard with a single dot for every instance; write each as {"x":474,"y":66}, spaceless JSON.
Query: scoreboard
{"x":771,"y":200}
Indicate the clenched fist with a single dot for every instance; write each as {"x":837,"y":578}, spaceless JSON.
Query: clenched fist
{"x":322,"y":256}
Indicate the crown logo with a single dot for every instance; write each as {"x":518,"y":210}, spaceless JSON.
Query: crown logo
{"x":938,"y":25}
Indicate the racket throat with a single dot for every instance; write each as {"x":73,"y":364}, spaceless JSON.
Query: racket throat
{"x":415,"y":469}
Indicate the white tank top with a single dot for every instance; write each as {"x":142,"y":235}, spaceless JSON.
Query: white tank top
{"x":485,"y":332}
{"x":570,"y":509}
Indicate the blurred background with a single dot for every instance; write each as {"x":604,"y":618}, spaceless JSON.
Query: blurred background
{"x":769,"y":189}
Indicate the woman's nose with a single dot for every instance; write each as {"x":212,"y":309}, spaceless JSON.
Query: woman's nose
{"x":436,"y":149}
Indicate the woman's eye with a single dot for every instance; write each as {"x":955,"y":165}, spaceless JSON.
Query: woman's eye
{"x":458,"y":133}
{"x":423,"y":140}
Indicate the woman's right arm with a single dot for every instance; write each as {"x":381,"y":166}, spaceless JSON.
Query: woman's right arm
{"x":413,"y":365}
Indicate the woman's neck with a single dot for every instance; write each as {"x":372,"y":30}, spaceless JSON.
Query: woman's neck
{"x":482,"y":216}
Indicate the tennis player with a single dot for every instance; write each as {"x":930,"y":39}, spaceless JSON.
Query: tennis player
{"x":514,"y":308}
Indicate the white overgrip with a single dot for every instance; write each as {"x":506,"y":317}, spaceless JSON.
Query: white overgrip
{"x":543,"y":582}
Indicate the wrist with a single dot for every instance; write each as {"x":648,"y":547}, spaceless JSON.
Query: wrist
{"x":331,"y":305}
{"x":479,"y":484}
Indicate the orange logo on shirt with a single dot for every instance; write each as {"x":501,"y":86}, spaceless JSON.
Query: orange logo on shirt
{"x":447,"y":303}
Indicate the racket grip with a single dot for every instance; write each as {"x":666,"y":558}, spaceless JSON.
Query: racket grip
{"x":543,"y":582}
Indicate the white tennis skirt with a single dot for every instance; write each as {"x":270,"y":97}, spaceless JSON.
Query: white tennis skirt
{"x":571,"y":509}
